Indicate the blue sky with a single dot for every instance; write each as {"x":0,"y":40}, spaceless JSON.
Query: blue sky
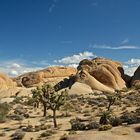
{"x":38,"y":33}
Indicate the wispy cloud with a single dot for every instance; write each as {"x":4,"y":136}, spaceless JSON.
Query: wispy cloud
{"x":41,"y":63}
{"x":94,"y":4}
{"x":53,"y":5}
{"x":51,"y":8}
{"x":121,"y":47}
{"x":66,"y":42}
{"x":125,"y":41}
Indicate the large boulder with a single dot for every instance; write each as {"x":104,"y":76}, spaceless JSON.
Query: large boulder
{"x":102,"y":74}
{"x":136,"y":77}
{"x":51,"y":75}
{"x":6,"y":82}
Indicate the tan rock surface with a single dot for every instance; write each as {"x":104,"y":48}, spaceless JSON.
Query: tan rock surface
{"x":49,"y":75}
{"x":105,"y":74}
{"x":6,"y":83}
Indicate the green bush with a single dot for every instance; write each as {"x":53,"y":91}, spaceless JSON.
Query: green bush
{"x":18,"y":100}
{"x":4,"y":109}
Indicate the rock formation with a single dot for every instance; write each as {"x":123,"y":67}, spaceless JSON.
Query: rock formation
{"x":51,"y":75}
{"x":101,"y":74}
{"x":86,"y":78}
{"x":6,"y":82}
{"x":136,"y":78}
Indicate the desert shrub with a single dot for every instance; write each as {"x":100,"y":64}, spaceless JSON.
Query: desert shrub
{"x":115,"y":121}
{"x":86,"y":111}
{"x":137,"y":86}
{"x":18,"y":99}
{"x":105,"y":117}
{"x":48,"y":133}
{"x":130,"y":118}
{"x":77,"y":125}
{"x":18,"y":135}
{"x":67,"y":108}
{"x":72,"y":132}
{"x":30,"y":101}
{"x":105,"y":127}
{"x":4,"y":109}
{"x":92,"y":125}
{"x":87,"y":114}
{"x":64,"y":137}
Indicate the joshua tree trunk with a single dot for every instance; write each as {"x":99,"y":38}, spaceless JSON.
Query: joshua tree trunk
{"x":108,"y":108}
{"x":45,"y":108}
{"x":54,"y":118}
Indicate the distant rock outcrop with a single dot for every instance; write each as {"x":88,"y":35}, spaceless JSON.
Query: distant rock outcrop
{"x":51,"y":75}
{"x":6,"y":82}
{"x":136,"y":77}
{"x":102,"y":74}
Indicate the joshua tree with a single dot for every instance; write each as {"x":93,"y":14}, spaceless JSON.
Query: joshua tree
{"x":54,"y":100}
{"x":38,"y":97}
{"x":106,"y":115}
{"x":50,"y":99}
{"x":112,"y":98}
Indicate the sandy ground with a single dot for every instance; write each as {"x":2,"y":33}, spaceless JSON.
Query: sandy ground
{"x":83,"y":110}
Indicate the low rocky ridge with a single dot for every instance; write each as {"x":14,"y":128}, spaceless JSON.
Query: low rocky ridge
{"x":51,"y":75}
{"x":99,"y":74}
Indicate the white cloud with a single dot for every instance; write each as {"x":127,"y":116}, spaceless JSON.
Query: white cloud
{"x":131,"y":65}
{"x":133,"y":61}
{"x":122,"y":47}
{"x":13,"y":73}
{"x":16,"y":67}
{"x":75,"y":59}
{"x":73,"y":65}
